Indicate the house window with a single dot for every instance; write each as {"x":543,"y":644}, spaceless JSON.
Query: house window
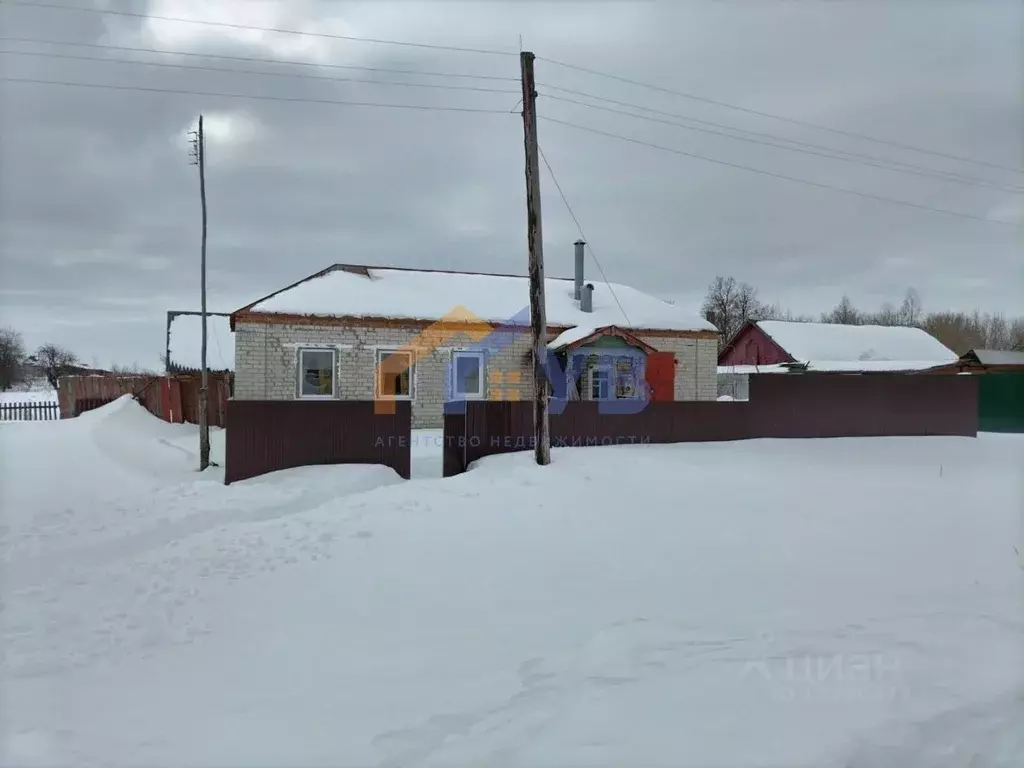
{"x":395,"y":374}
{"x":600,"y":384}
{"x":316,"y":373}
{"x":625,"y":378}
{"x":467,"y":375}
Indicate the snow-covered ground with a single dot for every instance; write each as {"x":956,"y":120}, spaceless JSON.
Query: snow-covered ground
{"x":801,"y":603}
{"x":12,"y":396}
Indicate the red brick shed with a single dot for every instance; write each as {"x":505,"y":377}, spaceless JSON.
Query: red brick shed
{"x":752,"y":346}
{"x":836,"y":347}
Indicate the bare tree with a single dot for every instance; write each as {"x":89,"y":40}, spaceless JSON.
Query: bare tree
{"x":12,"y":357}
{"x":997,"y":333}
{"x":887,"y":315}
{"x":777,"y":312}
{"x":1017,"y":334}
{"x":718,"y":305}
{"x":55,"y":362}
{"x":910,"y":309}
{"x":728,"y":305}
{"x":844,"y":313}
{"x":132,"y":370}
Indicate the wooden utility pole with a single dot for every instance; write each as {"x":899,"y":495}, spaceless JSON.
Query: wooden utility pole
{"x":199,"y":154}
{"x":534,"y":236}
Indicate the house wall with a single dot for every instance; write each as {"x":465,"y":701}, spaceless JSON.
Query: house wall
{"x":266,"y":357}
{"x":752,"y":346}
{"x":696,"y":365}
{"x":266,"y":364}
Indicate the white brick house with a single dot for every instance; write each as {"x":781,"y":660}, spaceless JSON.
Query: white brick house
{"x":358,"y":333}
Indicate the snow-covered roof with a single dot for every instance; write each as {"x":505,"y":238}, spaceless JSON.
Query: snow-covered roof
{"x":820,"y":342}
{"x":998,"y":357}
{"x":185,"y":339}
{"x":571,"y":336}
{"x":356,"y":291}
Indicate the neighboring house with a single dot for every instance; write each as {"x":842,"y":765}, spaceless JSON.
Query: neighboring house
{"x":356,"y":332}
{"x":775,"y":345}
{"x":989,"y":361}
{"x":185,"y":341}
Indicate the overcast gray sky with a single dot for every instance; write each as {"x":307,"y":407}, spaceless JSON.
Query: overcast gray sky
{"x":99,"y":207}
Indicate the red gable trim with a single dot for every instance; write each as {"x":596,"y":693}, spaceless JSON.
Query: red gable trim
{"x":612,"y":331}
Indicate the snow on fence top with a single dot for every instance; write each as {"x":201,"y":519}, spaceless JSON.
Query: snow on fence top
{"x":429,"y":295}
{"x":836,"y":366}
{"x":819,"y":342}
{"x":185,"y":339}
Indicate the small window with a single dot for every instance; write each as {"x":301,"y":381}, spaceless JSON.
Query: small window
{"x":316,"y":372}
{"x":625,"y":378}
{"x":600,"y":384}
{"x":467,"y":375}
{"x":395,"y":374}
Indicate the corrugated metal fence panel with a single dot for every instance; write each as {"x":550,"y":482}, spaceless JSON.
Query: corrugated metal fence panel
{"x":862,"y":405}
{"x":268,"y":435}
{"x":453,"y":459}
{"x":1001,"y":402}
{"x":780,"y":405}
{"x":497,"y":426}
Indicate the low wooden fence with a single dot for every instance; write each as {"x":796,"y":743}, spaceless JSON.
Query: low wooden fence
{"x":780,"y":405}
{"x":268,"y":435}
{"x":29,"y":411}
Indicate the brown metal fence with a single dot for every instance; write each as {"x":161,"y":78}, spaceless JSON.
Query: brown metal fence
{"x":780,"y":405}
{"x":268,"y":435}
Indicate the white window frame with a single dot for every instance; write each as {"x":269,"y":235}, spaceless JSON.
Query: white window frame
{"x":454,"y":375}
{"x":300,"y":371}
{"x":379,"y":354}
{"x":609,"y":374}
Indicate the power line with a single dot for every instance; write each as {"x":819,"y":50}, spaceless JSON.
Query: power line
{"x":424,"y":107}
{"x":782,"y":118}
{"x":829,"y":152}
{"x":248,"y":27}
{"x":582,"y":235}
{"x":196,"y":67}
{"x":258,"y":60}
{"x":774,"y":175}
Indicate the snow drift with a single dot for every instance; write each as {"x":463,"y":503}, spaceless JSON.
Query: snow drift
{"x":800,"y":603}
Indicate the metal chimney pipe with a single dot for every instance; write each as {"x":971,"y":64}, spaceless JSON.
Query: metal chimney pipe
{"x":587,"y":298}
{"x":579,"y":270}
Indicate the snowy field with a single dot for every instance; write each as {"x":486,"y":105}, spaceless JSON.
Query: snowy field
{"x":29,"y":396}
{"x":832,"y":603}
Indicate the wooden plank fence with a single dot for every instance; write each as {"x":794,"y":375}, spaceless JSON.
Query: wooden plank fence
{"x":29,"y":410}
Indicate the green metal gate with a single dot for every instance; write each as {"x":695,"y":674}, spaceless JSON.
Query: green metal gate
{"x":1001,"y":402}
